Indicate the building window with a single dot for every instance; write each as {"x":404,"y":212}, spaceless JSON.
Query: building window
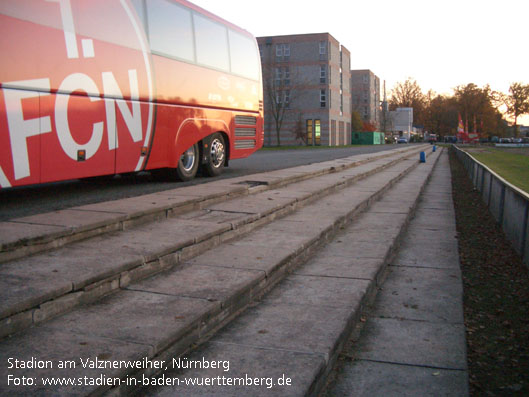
{"x":323,"y":99}
{"x":278,"y":77}
{"x":323,"y":74}
{"x":323,"y":50}
{"x":323,"y":47}
{"x":309,"y":133}
{"x":282,"y":52}
{"x":286,"y":52}
{"x":287,"y":99}
{"x":287,"y":75}
{"x":317,"y":132}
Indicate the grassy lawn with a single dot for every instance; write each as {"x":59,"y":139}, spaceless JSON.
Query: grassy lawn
{"x":511,"y":164}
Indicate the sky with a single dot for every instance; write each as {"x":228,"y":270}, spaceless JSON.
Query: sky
{"x":440,"y":44}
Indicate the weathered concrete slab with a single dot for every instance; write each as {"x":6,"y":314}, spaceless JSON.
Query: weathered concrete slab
{"x":260,"y":204}
{"x":204,"y":282}
{"x":331,"y":292}
{"x":12,"y":233}
{"x":419,"y":294}
{"x":276,"y":372}
{"x":151,"y":319}
{"x":256,"y":257}
{"x":367,"y":379}
{"x":208,"y":191}
{"x":37,"y":279}
{"x":20,"y":292}
{"x":412,"y":342}
{"x":378,"y":220}
{"x":70,"y":219}
{"x":432,"y":256}
{"x":207,"y":215}
{"x":332,"y":265}
{"x":277,"y":237}
{"x":359,"y":249}
{"x":434,"y":234}
{"x":284,"y":327}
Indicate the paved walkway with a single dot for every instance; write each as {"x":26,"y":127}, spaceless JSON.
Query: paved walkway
{"x":413,"y":342}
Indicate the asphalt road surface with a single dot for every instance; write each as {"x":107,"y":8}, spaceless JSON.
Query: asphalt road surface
{"x":19,"y":202}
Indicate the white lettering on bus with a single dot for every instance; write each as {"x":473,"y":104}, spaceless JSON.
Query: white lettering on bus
{"x":132,"y":119}
{"x":68,"y":27}
{"x":19,"y":128}
{"x":75,"y":82}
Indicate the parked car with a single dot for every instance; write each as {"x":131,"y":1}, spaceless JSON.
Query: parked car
{"x":402,"y":139}
{"x":505,"y":140}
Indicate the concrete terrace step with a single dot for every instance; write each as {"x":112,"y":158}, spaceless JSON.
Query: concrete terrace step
{"x":38,"y":287}
{"x":166,"y":315}
{"x":297,"y":330}
{"x":28,"y":235}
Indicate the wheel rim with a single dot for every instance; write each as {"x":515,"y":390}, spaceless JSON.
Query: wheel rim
{"x":188,"y":159}
{"x":217,"y":153}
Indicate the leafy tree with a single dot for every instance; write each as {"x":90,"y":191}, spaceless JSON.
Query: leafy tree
{"x":476,"y":106}
{"x":357,"y":123}
{"x":368,"y":127}
{"x":409,"y":95}
{"x":517,"y":102}
{"x":442,"y":115}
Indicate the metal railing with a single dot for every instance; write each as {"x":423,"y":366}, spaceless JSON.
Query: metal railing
{"x":508,"y":204}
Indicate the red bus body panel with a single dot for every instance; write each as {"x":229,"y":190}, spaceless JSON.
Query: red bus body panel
{"x":82,"y":95}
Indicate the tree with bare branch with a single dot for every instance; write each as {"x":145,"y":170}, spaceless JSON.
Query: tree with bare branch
{"x":282,"y":89}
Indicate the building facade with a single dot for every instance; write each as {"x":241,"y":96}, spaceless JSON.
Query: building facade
{"x":402,"y":122}
{"x":306,"y":90}
{"x":365,"y":96}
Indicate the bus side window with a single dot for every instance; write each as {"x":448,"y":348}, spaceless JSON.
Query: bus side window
{"x":170,"y":30}
{"x":212,"y":43}
{"x":245,"y":60}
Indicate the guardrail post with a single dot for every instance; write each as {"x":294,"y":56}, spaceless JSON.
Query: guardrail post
{"x":524,"y":233}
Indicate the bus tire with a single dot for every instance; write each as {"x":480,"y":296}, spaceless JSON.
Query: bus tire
{"x":215,"y":155}
{"x":188,"y":164}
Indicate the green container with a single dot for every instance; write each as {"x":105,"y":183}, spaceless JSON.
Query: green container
{"x":367,"y":138}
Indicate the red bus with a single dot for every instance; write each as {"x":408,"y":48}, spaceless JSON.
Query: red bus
{"x":102,"y":87}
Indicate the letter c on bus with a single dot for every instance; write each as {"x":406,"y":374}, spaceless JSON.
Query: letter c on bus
{"x":76,"y":82}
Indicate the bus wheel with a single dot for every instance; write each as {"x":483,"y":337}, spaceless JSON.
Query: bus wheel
{"x":215,"y":155}
{"x":188,"y":164}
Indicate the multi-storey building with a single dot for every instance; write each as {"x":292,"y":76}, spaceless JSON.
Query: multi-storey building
{"x":306,"y":90}
{"x":365,"y":96}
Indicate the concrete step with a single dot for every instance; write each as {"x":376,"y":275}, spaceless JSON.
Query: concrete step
{"x":287,"y":343}
{"x":166,"y":315}
{"x":413,"y":340}
{"x":32,"y":234}
{"x":36,"y":288}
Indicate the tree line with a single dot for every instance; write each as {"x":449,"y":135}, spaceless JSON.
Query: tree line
{"x":481,"y":109}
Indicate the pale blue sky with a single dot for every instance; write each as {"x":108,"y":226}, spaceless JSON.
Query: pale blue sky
{"x":441,"y":44}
